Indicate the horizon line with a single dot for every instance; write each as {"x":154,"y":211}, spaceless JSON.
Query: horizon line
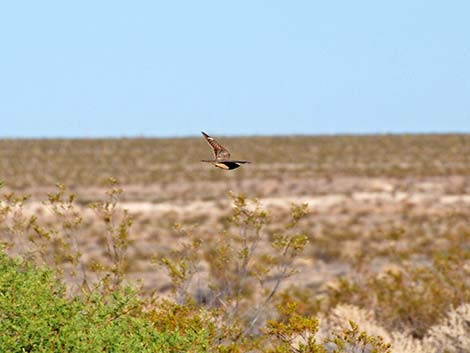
{"x":197,"y":134}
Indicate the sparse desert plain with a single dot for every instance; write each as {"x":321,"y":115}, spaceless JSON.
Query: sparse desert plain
{"x":373,"y":229}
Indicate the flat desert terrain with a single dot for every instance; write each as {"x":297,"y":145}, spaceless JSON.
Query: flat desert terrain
{"x":382,"y":210}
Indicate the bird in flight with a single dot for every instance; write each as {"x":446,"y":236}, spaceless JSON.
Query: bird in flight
{"x":221,"y":155}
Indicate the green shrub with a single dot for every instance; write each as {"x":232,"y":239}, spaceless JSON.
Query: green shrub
{"x":36,"y":316}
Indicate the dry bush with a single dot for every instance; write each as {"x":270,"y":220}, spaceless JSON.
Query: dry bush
{"x":405,"y":343}
{"x":243,"y":276}
{"x":339,"y":317}
{"x":453,"y":333}
{"x":55,"y":238}
{"x":295,"y":333}
{"x":450,"y":335}
{"x":412,"y":296}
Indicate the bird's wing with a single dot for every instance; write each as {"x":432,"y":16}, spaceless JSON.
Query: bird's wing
{"x":220,"y":152}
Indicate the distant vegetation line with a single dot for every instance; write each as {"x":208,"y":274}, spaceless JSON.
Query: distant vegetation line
{"x":36,"y":162}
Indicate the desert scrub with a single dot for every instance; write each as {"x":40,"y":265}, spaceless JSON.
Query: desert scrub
{"x":36,"y":316}
{"x":57,"y":233}
{"x":246,"y":266}
{"x":414,"y":298}
{"x":134,"y":161}
{"x":228,"y":278}
{"x":116,"y":237}
{"x":295,"y":333}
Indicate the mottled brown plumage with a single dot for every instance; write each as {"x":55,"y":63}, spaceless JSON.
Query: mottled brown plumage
{"x":221,"y":155}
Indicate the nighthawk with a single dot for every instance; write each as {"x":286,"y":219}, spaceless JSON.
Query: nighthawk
{"x":221,"y":155}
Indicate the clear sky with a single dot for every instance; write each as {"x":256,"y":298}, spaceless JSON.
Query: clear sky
{"x":173,"y":68}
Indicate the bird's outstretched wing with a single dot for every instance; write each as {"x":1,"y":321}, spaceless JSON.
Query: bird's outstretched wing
{"x":220,"y":152}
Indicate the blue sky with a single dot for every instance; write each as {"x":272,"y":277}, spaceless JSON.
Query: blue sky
{"x":173,"y":68}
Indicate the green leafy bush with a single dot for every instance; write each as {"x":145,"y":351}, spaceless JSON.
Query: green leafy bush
{"x":36,"y":316}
